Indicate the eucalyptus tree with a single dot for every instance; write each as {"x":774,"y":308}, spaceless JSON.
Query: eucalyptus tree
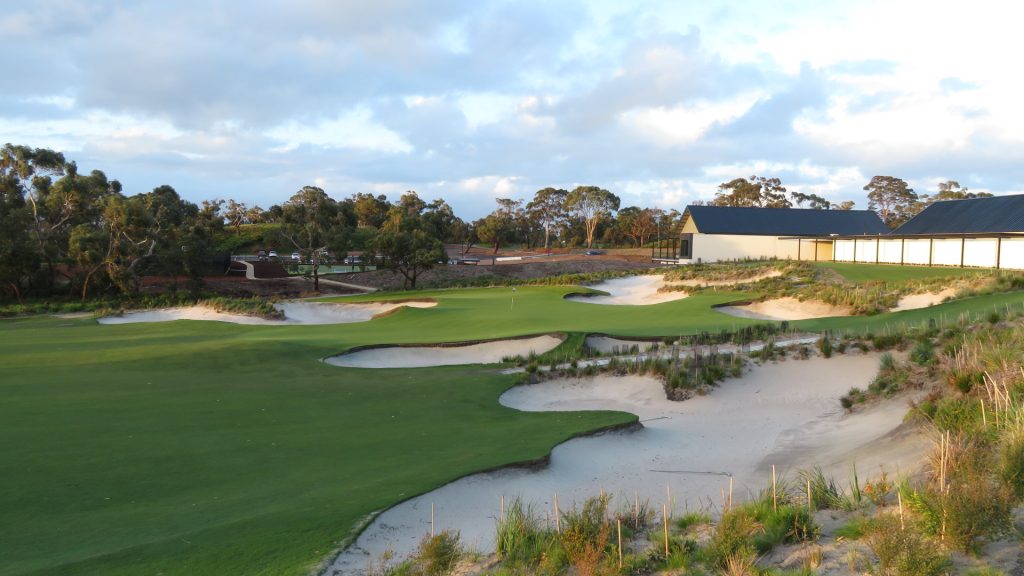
{"x":547,"y":208}
{"x":893,"y":200}
{"x":312,"y":222}
{"x":591,"y":204}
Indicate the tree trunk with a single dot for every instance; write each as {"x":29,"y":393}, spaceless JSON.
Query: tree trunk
{"x":17,"y":292}
{"x":316,"y":277}
{"x":547,"y":234}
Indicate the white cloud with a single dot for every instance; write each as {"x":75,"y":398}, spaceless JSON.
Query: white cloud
{"x":353,"y":129}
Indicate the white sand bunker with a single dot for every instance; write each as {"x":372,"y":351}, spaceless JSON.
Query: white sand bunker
{"x":630,"y":291}
{"x":423,"y":356}
{"x":294,"y":313}
{"x":786,"y":309}
{"x":788,"y":412}
{"x":915,"y":301}
{"x":731,"y":282}
{"x":611,"y":345}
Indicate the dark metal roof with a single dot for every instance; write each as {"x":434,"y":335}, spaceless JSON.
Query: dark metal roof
{"x":784,"y":221}
{"x":970,"y":216}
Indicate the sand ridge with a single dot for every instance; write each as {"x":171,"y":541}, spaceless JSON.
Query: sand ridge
{"x":630,"y":291}
{"x":788,"y":409}
{"x":491,"y":352}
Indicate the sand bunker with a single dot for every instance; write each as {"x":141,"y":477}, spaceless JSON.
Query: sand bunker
{"x":294,"y":313}
{"x":785,"y":309}
{"x":423,"y":356}
{"x":630,"y":291}
{"x":787,"y":411}
{"x":733,"y":282}
{"x":915,"y":301}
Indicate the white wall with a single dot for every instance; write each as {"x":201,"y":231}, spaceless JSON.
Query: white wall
{"x":1011,"y":255}
{"x":890,"y":251}
{"x":916,"y":251}
{"x":980,"y":252}
{"x":716,"y":247}
{"x":842,"y":250}
{"x":866,"y":250}
{"x":946,"y":252}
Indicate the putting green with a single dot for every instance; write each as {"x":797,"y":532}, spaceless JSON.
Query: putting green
{"x":208,"y":448}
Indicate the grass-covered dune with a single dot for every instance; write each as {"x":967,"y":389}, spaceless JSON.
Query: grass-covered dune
{"x":206,"y":448}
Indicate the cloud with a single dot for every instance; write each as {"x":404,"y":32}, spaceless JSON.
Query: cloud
{"x":468,"y":100}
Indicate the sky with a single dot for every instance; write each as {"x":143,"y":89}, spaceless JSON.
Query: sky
{"x":470,"y":101}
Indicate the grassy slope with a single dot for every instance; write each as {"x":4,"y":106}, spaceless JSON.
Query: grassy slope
{"x":206,"y":448}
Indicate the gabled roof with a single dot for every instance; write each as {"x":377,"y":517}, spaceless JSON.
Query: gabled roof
{"x":784,"y":221}
{"x":970,"y":216}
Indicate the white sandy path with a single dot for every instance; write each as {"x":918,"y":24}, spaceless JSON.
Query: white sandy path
{"x":630,"y":291}
{"x":924,"y":300}
{"x":294,"y":313}
{"x":423,"y":356}
{"x":789,"y":409}
{"x":733,"y":282}
{"x":785,"y":309}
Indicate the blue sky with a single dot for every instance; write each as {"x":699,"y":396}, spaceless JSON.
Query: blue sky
{"x":475,"y":100}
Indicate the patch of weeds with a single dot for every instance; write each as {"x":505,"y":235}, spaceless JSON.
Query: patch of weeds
{"x":904,"y":552}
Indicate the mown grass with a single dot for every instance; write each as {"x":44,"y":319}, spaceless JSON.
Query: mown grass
{"x":209,"y":448}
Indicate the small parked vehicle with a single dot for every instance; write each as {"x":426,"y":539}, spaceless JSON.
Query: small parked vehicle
{"x":296,"y":256}
{"x":261,"y":255}
{"x":272,"y":254}
{"x":353,"y":260}
{"x":593,"y":252}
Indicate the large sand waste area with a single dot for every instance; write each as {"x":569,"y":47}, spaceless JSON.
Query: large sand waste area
{"x":491,"y":352}
{"x":630,"y":291}
{"x":785,"y":413}
{"x":294,"y":313}
{"x":785,"y":309}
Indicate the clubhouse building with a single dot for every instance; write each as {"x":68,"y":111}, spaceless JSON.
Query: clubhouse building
{"x":976,"y":232}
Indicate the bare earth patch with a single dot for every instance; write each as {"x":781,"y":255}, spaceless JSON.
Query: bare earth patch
{"x":294,"y":313}
{"x":789,"y":410}
{"x":630,"y":291}
{"x":785,"y":309}
{"x":423,"y":356}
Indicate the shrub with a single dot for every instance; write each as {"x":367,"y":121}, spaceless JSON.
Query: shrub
{"x":585,"y":535}
{"x":923,"y":353}
{"x":1011,"y":465}
{"x":732,"y":537}
{"x":904,"y":552}
{"x":520,"y":539}
{"x":824,"y":493}
{"x":437,"y":555}
{"x":825,"y":347}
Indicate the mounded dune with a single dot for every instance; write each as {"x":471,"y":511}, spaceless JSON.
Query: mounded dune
{"x":443,"y":355}
{"x":784,"y":413}
{"x":294,"y":313}
{"x":630,"y":291}
{"x":786,"y":309}
{"x":923,"y":300}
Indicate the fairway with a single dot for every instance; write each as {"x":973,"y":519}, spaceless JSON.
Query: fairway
{"x":206,"y":448}
{"x":894,"y":273}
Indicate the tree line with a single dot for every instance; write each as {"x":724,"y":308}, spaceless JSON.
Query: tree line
{"x":891,"y":198}
{"x":64,"y":232}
